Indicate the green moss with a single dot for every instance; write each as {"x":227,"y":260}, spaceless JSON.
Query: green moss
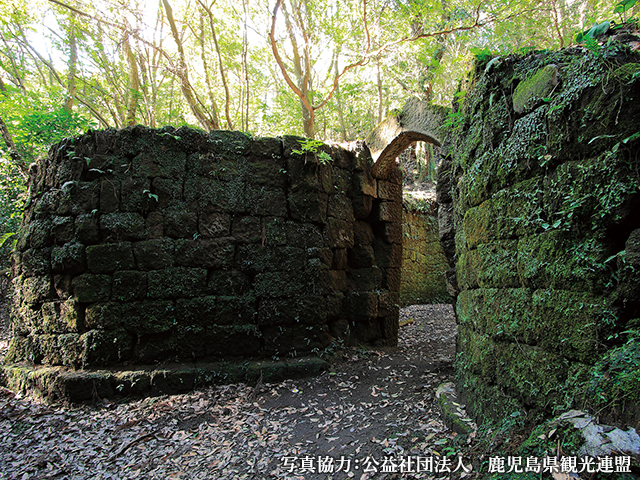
{"x":614,"y":384}
{"x":535,"y":88}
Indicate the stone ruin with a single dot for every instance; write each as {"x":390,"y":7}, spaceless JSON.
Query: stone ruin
{"x":144,"y":247}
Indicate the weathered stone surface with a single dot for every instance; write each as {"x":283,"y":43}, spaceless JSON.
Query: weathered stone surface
{"x":154,"y":254}
{"x":91,"y":287}
{"x":176,"y":282}
{"x":108,"y":257}
{"x":529,"y":218}
{"x":189,"y":246}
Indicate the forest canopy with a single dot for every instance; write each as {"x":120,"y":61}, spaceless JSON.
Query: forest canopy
{"x":326,"y":69}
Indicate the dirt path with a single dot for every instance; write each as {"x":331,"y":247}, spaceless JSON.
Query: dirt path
{"x":359,"y":420}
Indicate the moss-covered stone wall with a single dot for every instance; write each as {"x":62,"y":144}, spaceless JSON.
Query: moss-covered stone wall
{"x":142,"y":246}
{"x":423,"y":260}
{"x":540,"y":219}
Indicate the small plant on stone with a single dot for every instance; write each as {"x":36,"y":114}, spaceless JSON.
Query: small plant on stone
{"x":310,"y":145}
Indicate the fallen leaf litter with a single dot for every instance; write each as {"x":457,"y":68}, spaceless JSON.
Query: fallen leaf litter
{"x":374,"y":403}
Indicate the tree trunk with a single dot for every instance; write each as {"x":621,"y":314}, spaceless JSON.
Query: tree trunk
{"x":223,"y":75}
{"x":182,"y":72}
{"x":134,"y":82}
{"x":73,"y":62}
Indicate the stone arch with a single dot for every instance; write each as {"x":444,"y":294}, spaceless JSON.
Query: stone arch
{"x":418,"y":121}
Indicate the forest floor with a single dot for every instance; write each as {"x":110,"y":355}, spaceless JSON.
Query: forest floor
{"x":374,"y":408}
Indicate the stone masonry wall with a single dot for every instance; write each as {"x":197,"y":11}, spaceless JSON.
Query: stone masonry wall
{"x":423,"y":261}
{"x":142,"y":246}
{"x":539,"y":213}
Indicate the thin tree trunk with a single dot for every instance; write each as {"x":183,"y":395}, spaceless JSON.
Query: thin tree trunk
{"x":73,"y":62}
{"x":134,"y":82}
{"x":206,"y":120}
{"x":380,"y":92}
{"x":207,"y":77}
{"x":245,"y":65}
{"x":223,"y":75}
{"x":303,"y":80}
{"x":343,"y":128}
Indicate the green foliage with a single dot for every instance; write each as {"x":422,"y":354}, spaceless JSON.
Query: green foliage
{"x":310,"y":145}
{"x":35,"y":121}
{"x":623,"y":7}
{"x":616,"y":377}
{"x":593,"y":32}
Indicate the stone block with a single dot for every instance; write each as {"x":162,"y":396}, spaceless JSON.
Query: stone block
{"x":388,"y":212}
{"x":176,"y":282}
{"x":180,"y":222}
{"x":129,"y":285}
{"x":392,"y":232}
{"x":389,"y":191}
{"x":280,"y":284}
{"x":362,"y":233}
{"x":216,"y":253}
{"x":389,"y":305}
{"x":135,"y":195}
{"x":122,"y":226}
{"x":361,"y":256}
{"x":69,"y":258}
{"x":37,"y":289}
{"x":149,"y":316}
{"x":340,"y":207}
{"x":104,"y":316}
{"x":324,"y":254}
{"x":154,"y":254}
{"x":363,"y":182}
{"x":339,"y":279}
{"x":62,"y":286}
{"x":364,"y":279}
{"x":265,"y":202}
{"x":310,"y":338}
{"x":489,"y":265}
{"x":161,"y":160}
{"x":268,"y":150}
{"x":304,"y":173}
{"x":213,"y":224}
{"x":167,"y":190}
{"x":360,"y":305}
{"x":362,"y":205}
{"x":154,"y":225}
{"x":101,"y":348}
{"x":91,"y":287}
{"x":217,"y":310}
{"x":228,"y":282}
{"x":308,"y":310}
{"x":340,"y":259}
{"x":37,"y":235}
{"x":391,"y":278}
{"x":258,"y":258}
{"x":62,"y":230}
{"x":234,"y":341}
{"x":109,"y":196}
{"x":247,"y":229}
{"x":305,"y":235}
{"x":86,"y":226}
{"x":308,"y":206}
{"x":339,"y":233}
{"x":269,"y":172}
{"x":388,"y":255}
{"x":275,"y":231}
{"x":109,"y":257}
{"x":36,"y":261}
{"x":368,"y":330}
{"x":153,"y":348}
{"x":78,"y":198}
{"x":230,"y":142}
